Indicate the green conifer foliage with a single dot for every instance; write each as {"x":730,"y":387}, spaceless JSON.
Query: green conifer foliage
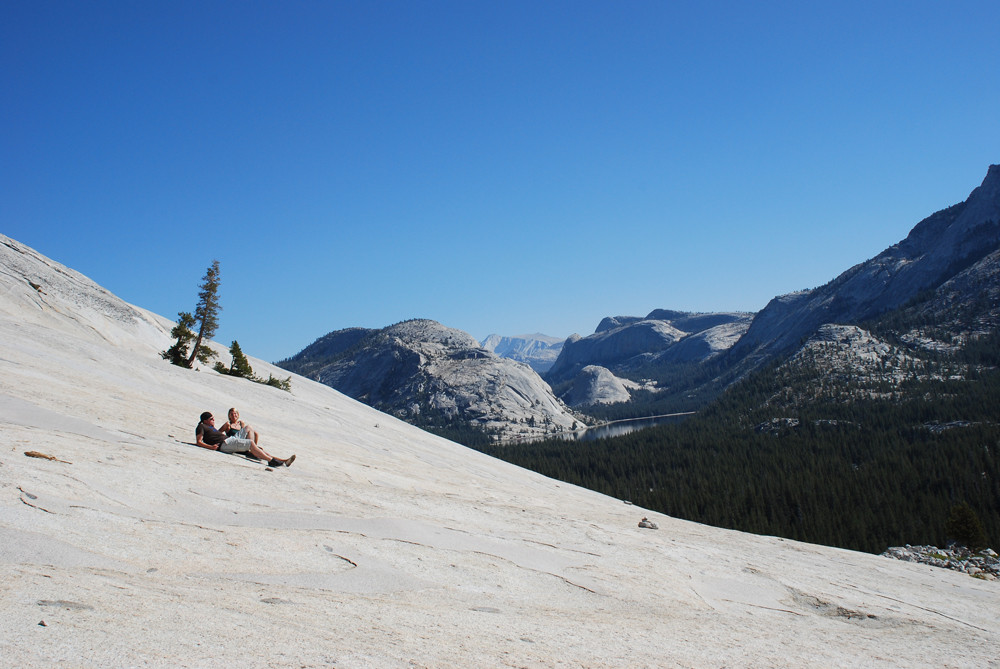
{"x":240,"y":366}
{"x":206,"y":314}
{"x":965,"y":527}
{"x":283,"y":384}
{"x":178,"y":353}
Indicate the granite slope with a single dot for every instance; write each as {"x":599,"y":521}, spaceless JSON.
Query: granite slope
{"x":383,"y":546}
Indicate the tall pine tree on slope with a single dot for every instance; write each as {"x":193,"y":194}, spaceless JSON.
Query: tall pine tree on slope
{"x":207,"y":315}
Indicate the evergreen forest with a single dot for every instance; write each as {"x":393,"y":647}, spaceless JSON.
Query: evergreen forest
{"x":882,"y":468}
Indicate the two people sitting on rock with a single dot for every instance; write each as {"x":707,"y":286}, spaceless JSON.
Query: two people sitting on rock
{"x":243,"y":439}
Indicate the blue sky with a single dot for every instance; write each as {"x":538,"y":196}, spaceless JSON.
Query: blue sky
{"x":507,"y":167}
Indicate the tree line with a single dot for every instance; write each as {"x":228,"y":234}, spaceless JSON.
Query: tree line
{"x":863,"y":474}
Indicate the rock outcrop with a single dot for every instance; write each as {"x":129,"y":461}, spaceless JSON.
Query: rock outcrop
{"x":597,"y":385}
{"x":614,"y":347}
{"x":985,"y":564}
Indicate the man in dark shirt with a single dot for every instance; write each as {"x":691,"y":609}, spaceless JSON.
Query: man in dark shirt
{"x":207,"y":436}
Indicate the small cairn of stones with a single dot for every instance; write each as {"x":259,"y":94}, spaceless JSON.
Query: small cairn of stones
{"x":985,"y":564}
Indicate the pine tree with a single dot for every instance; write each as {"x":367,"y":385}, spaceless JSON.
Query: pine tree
{"x":177,"y":354}
{"x":207,"y":315}
{"x":241,"y":366}
{"x":965,"y":527}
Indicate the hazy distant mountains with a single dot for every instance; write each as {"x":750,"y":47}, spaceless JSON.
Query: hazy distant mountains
{"x":941,"y":282}
{"x":536,"y":350}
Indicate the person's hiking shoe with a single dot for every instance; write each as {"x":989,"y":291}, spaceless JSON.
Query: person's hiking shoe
{"x":289,"y":460}
{"x":275,"y":462}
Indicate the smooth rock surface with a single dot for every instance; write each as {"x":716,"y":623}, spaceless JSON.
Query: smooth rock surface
{"x":383,"y":546}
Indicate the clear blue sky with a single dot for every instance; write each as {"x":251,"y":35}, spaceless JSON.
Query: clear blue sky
{"x":507,"y":167}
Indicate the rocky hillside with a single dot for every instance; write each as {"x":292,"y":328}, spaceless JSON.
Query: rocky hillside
{"x":941,"y":339}
{"x":936,"y":251}
{"x":937,"y":290}
{"x":435,"y":377}
{"x":940,"y":350}
{"x":963,"y":309}
{"x":597,"y":385}
{"x":846,"y":363}
{"x":640,"y":350}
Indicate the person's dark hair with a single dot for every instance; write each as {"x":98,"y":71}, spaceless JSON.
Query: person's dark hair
{"x":205,"y":416}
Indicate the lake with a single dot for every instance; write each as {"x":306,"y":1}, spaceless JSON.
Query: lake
{"x":615,"y":428}
{"x":619,"y":427}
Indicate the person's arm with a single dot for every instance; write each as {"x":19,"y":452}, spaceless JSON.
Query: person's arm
{"x":226,"y":428}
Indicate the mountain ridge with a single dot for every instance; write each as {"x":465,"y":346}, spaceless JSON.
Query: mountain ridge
{"x":671,"y":360}
{"x":937,"y":248}
{"x":644,"y":351}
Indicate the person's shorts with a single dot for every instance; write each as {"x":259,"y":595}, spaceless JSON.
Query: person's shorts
{"x":235,"y":445}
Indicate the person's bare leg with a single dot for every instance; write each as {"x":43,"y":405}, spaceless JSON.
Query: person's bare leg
{"x":260,"y":453}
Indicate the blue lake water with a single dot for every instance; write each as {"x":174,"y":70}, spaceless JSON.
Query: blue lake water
{"x":620,"y":427}
{"x":612,"y":429}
